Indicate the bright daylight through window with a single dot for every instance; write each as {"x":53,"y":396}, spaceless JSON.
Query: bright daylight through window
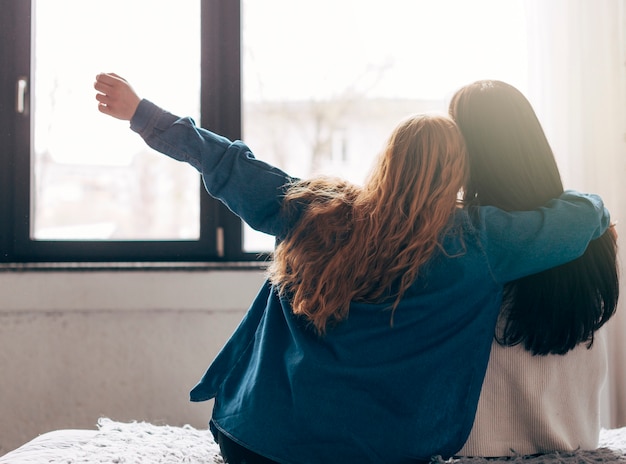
{"x":319,"y":94}
{"x":322,"y":91}
{"x":93,"y":177}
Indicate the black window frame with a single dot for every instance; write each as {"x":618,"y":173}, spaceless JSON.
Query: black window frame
{"x":220,"y":231}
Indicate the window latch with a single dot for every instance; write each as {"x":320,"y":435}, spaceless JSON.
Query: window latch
{"x":21,"y":96}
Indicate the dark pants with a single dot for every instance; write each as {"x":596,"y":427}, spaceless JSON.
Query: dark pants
{"x":234,"y":453}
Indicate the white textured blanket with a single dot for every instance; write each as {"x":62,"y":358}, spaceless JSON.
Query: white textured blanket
{"x":119,"y":443}
{"x":140,"y":442}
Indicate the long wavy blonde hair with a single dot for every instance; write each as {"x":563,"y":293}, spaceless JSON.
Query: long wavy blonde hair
{"x":366,"y":244}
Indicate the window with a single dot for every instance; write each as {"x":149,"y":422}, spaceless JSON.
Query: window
{"x":83,"y":187}
{"x":93,"y":179}
{"x":325,"y":82}
{"x":317,"y":93}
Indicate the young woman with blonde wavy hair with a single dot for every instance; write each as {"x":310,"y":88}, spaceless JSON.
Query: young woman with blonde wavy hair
{"x":368,"y":243}
{"x":369,"y":341}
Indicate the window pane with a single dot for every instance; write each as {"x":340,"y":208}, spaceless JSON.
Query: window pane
{"x":93,"y":177}
{"x":323,"y":90}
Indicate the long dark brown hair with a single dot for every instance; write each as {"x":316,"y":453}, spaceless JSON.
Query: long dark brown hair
{"x":367,"y":243}
{"x":512,"y":166}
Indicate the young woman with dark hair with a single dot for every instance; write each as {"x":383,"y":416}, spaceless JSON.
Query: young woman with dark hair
{"x":548,"y":361}
{"x":369,"y":341}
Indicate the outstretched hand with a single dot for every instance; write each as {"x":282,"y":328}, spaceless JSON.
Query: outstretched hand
{"x":115,"y":96}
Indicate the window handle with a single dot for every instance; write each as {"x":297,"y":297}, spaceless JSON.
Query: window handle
{"x":20,"y":100}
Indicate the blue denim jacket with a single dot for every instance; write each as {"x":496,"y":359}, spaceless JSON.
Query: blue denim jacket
{"x":369,"y":391}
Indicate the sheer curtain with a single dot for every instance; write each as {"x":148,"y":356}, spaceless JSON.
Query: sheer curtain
{"x":577,"y":84}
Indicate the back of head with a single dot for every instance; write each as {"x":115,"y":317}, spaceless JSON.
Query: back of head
{"x":423,"y":165}
{"x":512,"y":167}
{"x":511,"y":163}
{"x":367,"y":243}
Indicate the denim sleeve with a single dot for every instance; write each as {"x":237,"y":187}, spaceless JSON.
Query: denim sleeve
{"x":250,"y":188}
{"x":526,"y":242}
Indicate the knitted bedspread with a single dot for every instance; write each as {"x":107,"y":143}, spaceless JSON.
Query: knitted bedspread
{"x":141,"y":442}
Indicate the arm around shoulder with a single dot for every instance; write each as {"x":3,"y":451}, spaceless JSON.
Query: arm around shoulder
{"x":590,"y":211}
{"x":521,"y":243}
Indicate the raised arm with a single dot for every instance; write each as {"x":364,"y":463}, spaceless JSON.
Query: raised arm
{"x":250,"y":188}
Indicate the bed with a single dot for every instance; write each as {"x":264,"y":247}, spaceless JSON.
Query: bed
{"x":140,"y":442}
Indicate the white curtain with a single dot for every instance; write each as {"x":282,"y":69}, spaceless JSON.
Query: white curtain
{"x":577,"y":84}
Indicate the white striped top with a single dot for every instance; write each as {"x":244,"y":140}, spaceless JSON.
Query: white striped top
{"x":537,"y":404}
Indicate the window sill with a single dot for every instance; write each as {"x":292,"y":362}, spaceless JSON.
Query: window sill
{"x":132,"y":266}
{"x":86,"y":287}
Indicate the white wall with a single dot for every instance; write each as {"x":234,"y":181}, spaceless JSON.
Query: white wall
{"x":129,"y":345}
